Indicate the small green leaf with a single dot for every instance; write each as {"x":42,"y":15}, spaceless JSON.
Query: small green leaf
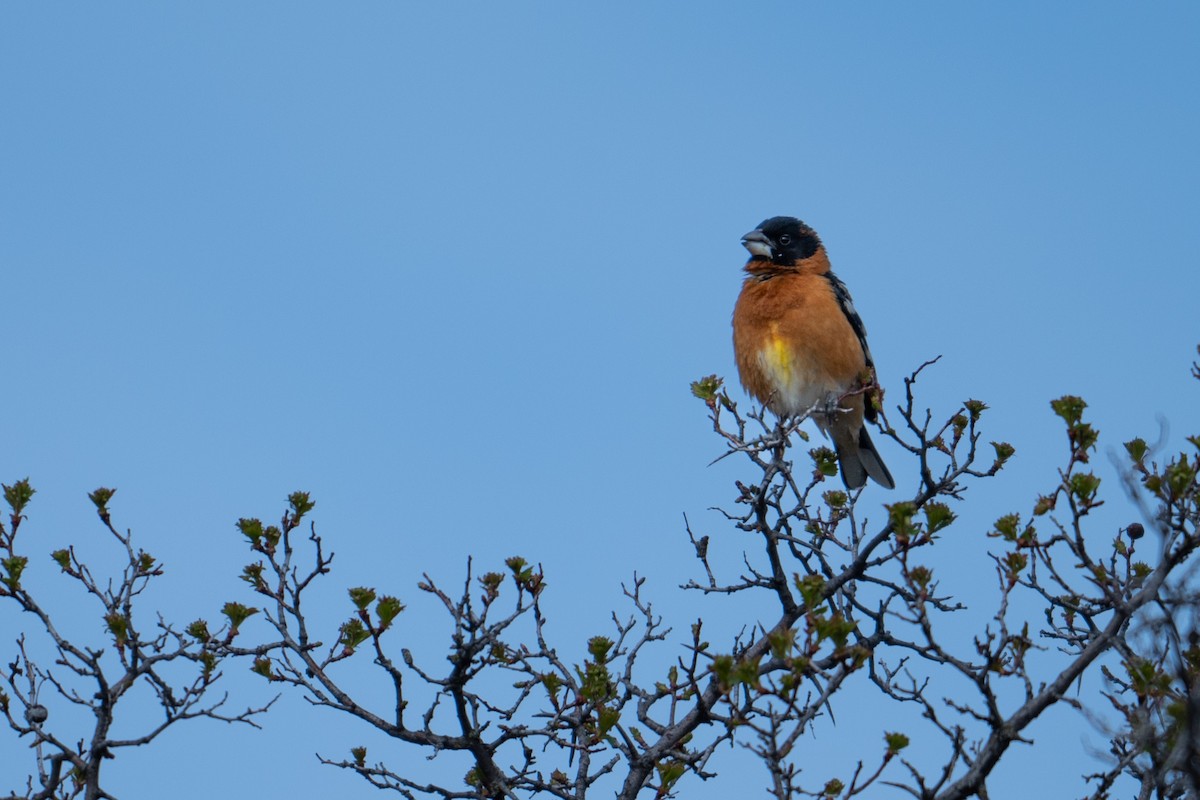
{"x":198,"y":630}
{"x":836,"y":628}
{"x":746,"y":672}
{"x":598,"y":647}
{"x":252,"y":529}
{"x":1137,"y":449}
{"x":938,"y":516}
{"x":387,"y":609}
{"x":824,"y":461}
{"x":836,"y":498}
{"x":352,"y":633}
{"x":13,"y":566}
{"x":901,"y":517}
{"x":832,"y":789}
{"x":596,"y":684}
{"x":1069,"y":407}
{"x":1004,"y":451}
{"x":1084,"y":437}
{"x":811,"y":588}
{"x":1044,"y":504}
{"x":516,"y":564}
{"x":208,"y":663}
{"x":262,"y":666}
{"x":920,"y":577}
{"x":707,"y":388}
{"x":1146,"y":679}
{"x":18,"y":495}
{"x":237,"y":613}
{"x":895,"y":742}
{"x":608,"y":717}
{"x":781,"y":642}
{"x":1014,"y":564}
{"x":1006,"y":527}
{"x":301,"y":504}
{"x":253,"y":575}
{"x":722,"y":670}
{"x":553,"y":684}
{"x":1083,"y":486}
{"x":100,"y":498}
{"x":1180,"y":476}
{"x":491,"y":582}
{"x":1028,"y":537}
{"x":668,"y":774}
{"x":118,"y":626}
{"x":975,"y":408}
{"x":362,"y":597}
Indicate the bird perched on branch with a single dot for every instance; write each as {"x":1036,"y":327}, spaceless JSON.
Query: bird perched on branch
{"x":802,"y":348}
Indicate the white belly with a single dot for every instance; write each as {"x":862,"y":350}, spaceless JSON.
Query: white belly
{"x":795,"y":386}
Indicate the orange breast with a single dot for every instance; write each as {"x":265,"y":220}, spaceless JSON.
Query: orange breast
{"x":793,"y":344}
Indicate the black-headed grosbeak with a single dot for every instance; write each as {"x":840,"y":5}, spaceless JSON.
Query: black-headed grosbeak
{"x":800,"y":345}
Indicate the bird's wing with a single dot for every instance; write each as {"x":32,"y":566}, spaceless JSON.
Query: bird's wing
{"x":847,"y":303}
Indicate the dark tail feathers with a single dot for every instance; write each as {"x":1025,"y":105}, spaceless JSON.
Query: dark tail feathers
{"x":860,"y":462}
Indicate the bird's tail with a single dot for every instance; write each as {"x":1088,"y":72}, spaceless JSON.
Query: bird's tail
{"x":859,"y":460}
{"x":872,"y":462}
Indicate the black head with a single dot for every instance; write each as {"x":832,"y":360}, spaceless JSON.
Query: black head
{"x":782,"y":240}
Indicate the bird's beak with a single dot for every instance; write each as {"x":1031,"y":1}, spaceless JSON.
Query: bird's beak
{"x":757,"y":243}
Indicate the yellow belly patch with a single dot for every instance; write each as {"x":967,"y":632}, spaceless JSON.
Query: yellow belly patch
{"x":792,"y":384}
{"x":777,"y":358}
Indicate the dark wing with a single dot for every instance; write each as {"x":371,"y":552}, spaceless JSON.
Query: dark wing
{"x":847,"y":303}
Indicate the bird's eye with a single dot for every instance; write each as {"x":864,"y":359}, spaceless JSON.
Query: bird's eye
{"x":785,"y":240}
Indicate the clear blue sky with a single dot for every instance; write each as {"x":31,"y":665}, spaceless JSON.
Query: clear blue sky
{"x":450,"y":267}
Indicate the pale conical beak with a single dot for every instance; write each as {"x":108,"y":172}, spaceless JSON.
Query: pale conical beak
{"x":757,"y":243}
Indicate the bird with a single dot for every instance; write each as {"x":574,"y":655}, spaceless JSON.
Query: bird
{"x":801,"y":347}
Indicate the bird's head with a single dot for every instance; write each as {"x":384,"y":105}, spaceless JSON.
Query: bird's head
{"x":785,"y":241}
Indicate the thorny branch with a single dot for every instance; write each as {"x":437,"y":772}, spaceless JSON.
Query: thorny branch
{"x":848,"y":603}
{"x":97,"y":679}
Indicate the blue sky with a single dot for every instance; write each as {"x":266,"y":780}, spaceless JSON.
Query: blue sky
{"x":450,"y":267}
